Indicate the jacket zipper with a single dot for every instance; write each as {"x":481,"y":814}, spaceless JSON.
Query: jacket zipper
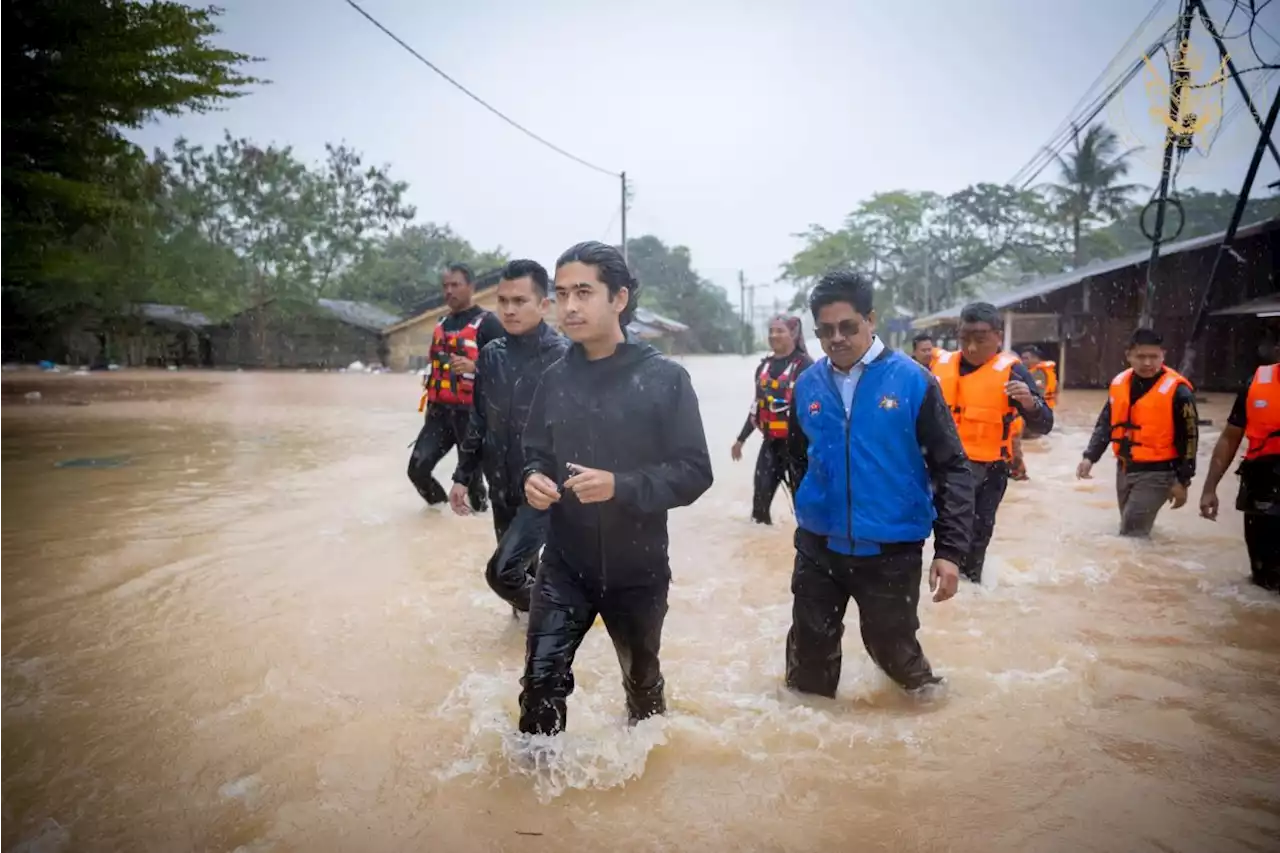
{"x":848,"y":439}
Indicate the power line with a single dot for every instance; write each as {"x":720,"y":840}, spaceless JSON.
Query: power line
{"x":473,"y":96}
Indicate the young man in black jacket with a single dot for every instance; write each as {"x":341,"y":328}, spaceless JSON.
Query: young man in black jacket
{"x":507,"y":373}
{"x":614,"y":441}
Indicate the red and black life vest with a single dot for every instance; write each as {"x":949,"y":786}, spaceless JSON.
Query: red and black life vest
{"x":441,"y":385}
{"x":773,"y":399}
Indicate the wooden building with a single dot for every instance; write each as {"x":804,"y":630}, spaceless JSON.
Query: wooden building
{"x":148,"y":334}
{"x":330,"y":334}
{"x":1083,"y":318}
{"x":408,"y":341}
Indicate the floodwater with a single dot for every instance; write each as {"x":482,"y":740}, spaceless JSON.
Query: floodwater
{"x":243,"y":631}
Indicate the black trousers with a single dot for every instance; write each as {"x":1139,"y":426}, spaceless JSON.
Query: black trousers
{"x":1262,"y":538}
{"x":443,"y":429}
{"x":990,"y":479}
{"x":562,"y":609}
{"x":771,"y":472}
{"x":886,"y":589}
{"x":521,"y":531}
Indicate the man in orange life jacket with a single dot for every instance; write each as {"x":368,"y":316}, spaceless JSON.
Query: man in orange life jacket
{"x":455,"y":346}
{"x":775,"y":377}
{"x":1045,"y":374}
{"x":1255,"y":417}
{"x":987,"y":390}
{"x":923,"y":351}
{"x":1149,"y":420}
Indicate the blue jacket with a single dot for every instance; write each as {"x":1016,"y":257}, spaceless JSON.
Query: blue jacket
{"x":868,"y":475}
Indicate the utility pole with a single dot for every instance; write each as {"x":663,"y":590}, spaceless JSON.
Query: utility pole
{"x":742,"y":308}
{"x":624,"y":216}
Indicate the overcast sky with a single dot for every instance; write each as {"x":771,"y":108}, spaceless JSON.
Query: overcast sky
{"x":740,"y":123}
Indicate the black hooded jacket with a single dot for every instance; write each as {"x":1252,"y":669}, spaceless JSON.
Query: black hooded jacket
{"x":507,"y":374}
{"x":634,"y":414}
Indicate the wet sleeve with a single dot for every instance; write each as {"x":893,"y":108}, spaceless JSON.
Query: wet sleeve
{"x":747,"y":428}
{"x":490,"y":329}
{"x":1039,"y":417}
{"x":539,"y":455}
{"x":797,"y":447}
{"x":1186,"y":433}
{"x":473,"y":440}
{"x":1239,"y":417}
{"x":685,"y":474}
{"x":1101,"y":435}
{"x":953,"y":486}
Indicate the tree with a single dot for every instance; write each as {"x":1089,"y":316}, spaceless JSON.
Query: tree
{"x":670,"y":286}
{"x":77,"y":72}
{"x":402,"y":269}
{"x":1090,"y":188}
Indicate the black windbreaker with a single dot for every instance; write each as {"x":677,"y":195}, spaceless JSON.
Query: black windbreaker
{"x":636,"y":415}
{"x":507,"y":373}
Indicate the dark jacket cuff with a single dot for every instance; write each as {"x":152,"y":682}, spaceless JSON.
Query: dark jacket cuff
{"x":949,"y":554}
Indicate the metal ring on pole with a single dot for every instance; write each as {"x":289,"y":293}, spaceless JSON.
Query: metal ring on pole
{"x":1182,"y":219}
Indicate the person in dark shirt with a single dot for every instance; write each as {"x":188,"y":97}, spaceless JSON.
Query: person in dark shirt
{"x":1255,"y":416}
{"x":878,"y":451}
{"x":987,"y":390}
{"x":456,"y":344}
{"x":507,"y":373}
{"x":922,"y":346}
{"x":1150,"y":421}
{"x":614,"y":441}
{"x":775,"y":379}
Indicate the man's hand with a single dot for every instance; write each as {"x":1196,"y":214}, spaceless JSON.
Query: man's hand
{"x":458,"y":499}
{"x":462,"y":364}
{"x":1020,"y":393}
{"x":736,"y":451}
{"x":540,"y":491}
{"x":1178,"y":495}
{"x":1209,"y":505}
{"x":944,"y":579}
{"x":1084,"y":469}
{"x":591,"y":486}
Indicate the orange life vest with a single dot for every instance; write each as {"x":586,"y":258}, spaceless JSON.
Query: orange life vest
{"x":773,"y":399}
{"x":980,"y":405}
{"x":1143,"y":431}
{"x":441,"y":386}
{"x":1050,"y":389}
{"x":1262,"y":418}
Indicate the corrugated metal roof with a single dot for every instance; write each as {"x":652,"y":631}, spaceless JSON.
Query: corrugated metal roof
{"x":176,"y":314}
{"x":649,"y":318}
{"x":359,"y":314}
{"x":1262,"y":306}
{"x":1053,"y":283}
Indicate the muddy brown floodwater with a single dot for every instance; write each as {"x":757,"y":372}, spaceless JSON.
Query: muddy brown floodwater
{"x":245,"y":632}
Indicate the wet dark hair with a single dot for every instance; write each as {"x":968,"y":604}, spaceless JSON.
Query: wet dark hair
{"x":1032,"y":350}
{"x":846,"y":286}
{"x":1144,"y":337}
{"x":467,"y":274}
{"x":921,"y":338}
{"x":982,"y":312}
{"x":610,"y":268}
{"x":525,"y":268}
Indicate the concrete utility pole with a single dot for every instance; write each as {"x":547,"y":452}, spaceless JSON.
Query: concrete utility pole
{"x":624,"y":215}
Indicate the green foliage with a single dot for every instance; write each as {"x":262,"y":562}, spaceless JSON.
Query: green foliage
{"x":670,"y":286}
{"x":1090,"y":189}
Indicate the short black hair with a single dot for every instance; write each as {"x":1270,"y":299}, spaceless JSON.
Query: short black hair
{"x":468,"y":275}
{"x":611,"y":268}
{"x":525,"y":268}
{"x":1144,"y":337}
{"x":921,"y":338}
{"x":1033,"y":350}
{"x":982,"y":312}
{"x":846,"y":286}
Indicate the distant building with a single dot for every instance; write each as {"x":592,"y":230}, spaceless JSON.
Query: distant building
{"x":148,"y":334}
{"x":1082,"y":319}
{"x":332,"y":333}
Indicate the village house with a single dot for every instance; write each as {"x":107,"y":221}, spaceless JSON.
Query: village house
{"x":1082,"y":319}
{"x":148,"y":334}
{"x":330,"y":334}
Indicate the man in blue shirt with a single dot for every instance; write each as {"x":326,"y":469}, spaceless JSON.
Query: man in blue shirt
{"x":877,"y":449}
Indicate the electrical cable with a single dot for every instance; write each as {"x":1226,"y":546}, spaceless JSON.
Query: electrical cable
{"x":473,"y":96}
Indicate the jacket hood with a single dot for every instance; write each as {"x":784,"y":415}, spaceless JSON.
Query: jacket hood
{"x":628,"y":354}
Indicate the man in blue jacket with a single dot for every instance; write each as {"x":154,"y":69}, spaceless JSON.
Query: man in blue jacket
{"x":877,"y":449}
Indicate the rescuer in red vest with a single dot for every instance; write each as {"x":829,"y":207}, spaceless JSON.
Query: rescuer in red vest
{"x":447,"y":393}
{"x":1255,"y":417}
{"x":775,"y":380}
{"x":1150,"y":421}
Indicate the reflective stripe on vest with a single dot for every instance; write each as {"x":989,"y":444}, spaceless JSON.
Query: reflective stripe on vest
{"x":441,"y":386}
{"x":980,"y":405}
{"x":773,"y":400}
{"x":1262,"y":415}
{"x":1143,"y":431}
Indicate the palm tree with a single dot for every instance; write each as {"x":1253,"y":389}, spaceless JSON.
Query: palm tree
{"x":1090,"y":187}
